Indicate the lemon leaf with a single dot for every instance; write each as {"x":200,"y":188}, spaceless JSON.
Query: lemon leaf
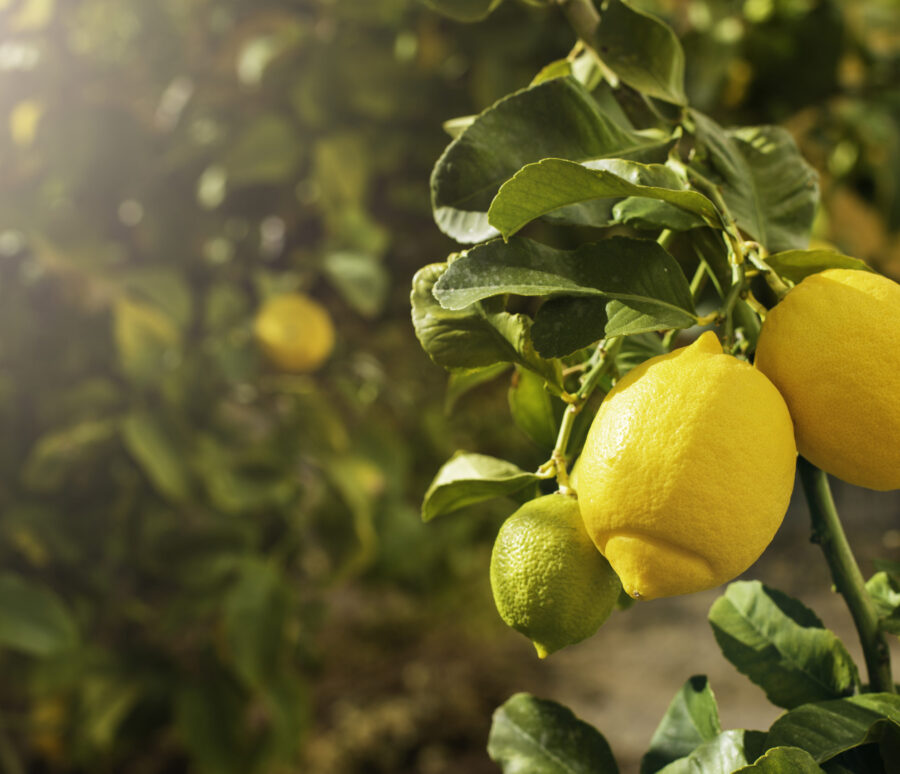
{"x":33,"y":620}
{"x":827,"y":729}
{"x":721,"y":755}
{"x":472,"y":478}
{"x":884,"y":589}
{"x":783,"y":760}
{"x":647,"y":284}
{"x":543,"y":187}
{"x":642,"y":50}
{"x":556,"y":118}
{"x":797,"y":264}
{"x":542,"y":737}
{"x":781,"y":645}
{"x":464,"y":10}
{"x":691,"y":719}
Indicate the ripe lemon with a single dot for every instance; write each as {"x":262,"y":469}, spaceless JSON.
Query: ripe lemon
{"x":294,"y":331}
{"x":549,"y":581}
{"x":687,"y":471}
{"x":832,"y":347}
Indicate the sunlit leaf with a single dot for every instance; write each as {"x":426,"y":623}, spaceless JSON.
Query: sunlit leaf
{"x":794,"y":265}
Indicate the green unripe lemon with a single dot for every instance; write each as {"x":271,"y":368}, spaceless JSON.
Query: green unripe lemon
{"x":549,"y":581}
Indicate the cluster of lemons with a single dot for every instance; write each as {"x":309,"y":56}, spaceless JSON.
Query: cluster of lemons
{"x":688,"y":467}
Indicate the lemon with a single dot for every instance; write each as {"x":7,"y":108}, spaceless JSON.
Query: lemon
{"x":295,"y":332}
{"x":832,"y":347}
{"x":549,"y":581}
{"x":687,"y":471}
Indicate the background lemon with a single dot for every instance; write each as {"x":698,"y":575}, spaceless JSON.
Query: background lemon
{"x":687,"y":471}
{"x":832,"y":347}
{"x":294,"y":331}
{"x":549,"y":581}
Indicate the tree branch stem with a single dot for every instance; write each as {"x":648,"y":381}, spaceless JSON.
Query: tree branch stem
{"x":848,"y":580}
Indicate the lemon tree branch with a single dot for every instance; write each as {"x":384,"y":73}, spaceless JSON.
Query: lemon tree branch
{"x":848,"y":580}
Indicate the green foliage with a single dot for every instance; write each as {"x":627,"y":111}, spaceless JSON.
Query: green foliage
{"x":543,"y":737}
{"x":781,"y":645}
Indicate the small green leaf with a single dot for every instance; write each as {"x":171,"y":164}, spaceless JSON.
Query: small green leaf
{"x":721,"y":755}
{"x":555,"y":118}
{"x":781,"y":645}
{"x":536,"y":736}
{"x":642,"y":50}
{"x":533,"y":408}
{"x":691,"y":720}
{"x":636,"y":349}
{"x":794,"y":265}
{"x":540,"y":188}
{"x":566,"y":324}
{"x":157,"y":453}
{"x":147,"y":340}
{"x":826,"y":729}
{"x":473,"y":336}
{"x":884,"y":589}
{"x":266,"y":152}
{"x":361,"y":279}
{"x":254,"y":616}
{"x":653,"y":214}
{"x":464,"y":381}
{"x":33,"y":620}
{"x":647,"y":285}
{"x":56,"y":456}
{"x":472,"y":478}
{"x":768,"y":186}
{"x":783,"y":760}
{"x":464,"y":10}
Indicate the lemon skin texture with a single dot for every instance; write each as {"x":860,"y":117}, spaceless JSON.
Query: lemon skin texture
{"x":295,"y":332}
{"x":687,"y":471}
{"x":832,"y":347}
{"x":549,"y":581}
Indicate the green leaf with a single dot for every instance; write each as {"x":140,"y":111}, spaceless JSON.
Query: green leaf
{"x":884,"y":589}
{"x":691,"y":720}
{"x":556,"y":118}
{"x":266,"y":152}
{"x":636,"y":349}
{"x":721,"y":755}
{"x":783,"y":760}
{"x":647,"y":287}
{"x":536,"y":736}
{"x":473,"y":336}
{"x":769,"y":188}
{"x":533,"y":408}
{"x":147,"y":340}
{"x":794,"y":265}
{"x":642,"y":50}
{"x":360,"y":279}
{"x":33,"y":620}
{"x":56,"y":456}
{"x":781,"y":645}
{"x":654,"y":214}
{"x":540,"y":188}
{"x":254,"y":617}
{"x":464,"y":10}
{"x":826,"y":729}
{"x":157,"y":453}
{"x":462,"y":382}
{"x":566,"y":324}
{"x":466,"y":479}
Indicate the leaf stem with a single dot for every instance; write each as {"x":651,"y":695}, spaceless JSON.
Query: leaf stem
{"x":602,"y":362}
{"x":582,"y":17}
{"x":828,"y":532}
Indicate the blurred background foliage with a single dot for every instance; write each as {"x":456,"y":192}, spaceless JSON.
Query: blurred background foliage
{"x":211,"y":566}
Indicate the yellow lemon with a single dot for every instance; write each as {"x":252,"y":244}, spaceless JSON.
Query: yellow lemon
{"x":549,"y":581}
{"x":295,"y":332}
{"x":832,"y":347}
{"x":687,"y":471}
